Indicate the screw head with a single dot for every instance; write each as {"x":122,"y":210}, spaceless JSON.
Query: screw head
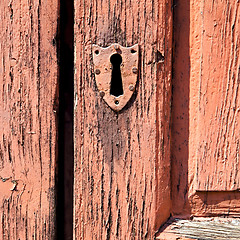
{"x":116,"y":47}
{"x":97,"y":71}
{"x":102,"y":93}
{"x":131,"y":87}
{"x":135,"y":70}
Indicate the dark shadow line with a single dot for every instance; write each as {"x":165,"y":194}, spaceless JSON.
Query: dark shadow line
{"x":64,"y":184}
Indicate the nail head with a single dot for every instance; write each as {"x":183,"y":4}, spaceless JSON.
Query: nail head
{"x":97,"y":71}
{"x":135,"y":70}
{"x":102,"y":93}
{"x":116,"y":47}
{"x":131,"y":87}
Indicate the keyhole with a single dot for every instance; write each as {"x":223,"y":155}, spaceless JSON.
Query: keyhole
{"x":116,"y":80}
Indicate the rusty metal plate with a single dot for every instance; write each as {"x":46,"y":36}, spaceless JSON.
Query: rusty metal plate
{"x":103,"y":68}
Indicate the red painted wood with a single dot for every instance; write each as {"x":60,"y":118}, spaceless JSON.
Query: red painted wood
{"x":122,"y":160}
{"x":214,"y":97}
{"x":180,"y":108}
{"x":28,"y":130}
{"x":205,"y":122}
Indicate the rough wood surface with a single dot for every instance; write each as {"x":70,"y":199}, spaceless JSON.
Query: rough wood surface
{"x":122,"y":163}
{"x":205,"y":111}
{"x":202,"y":228}
{"x":220,"y":203}
{"x":180,"y":107}
{"x":28,"y":105}
{"x":214,"y":97}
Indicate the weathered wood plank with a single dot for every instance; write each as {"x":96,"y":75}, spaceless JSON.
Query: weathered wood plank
{"x":205,"y":116}
{"x":180,"y":107}
{"x":28,"y":130}
{"x":214,"y":96}
{"x":221,"y":203}
{"x":203,"y":228}
{"x":122,"y":160}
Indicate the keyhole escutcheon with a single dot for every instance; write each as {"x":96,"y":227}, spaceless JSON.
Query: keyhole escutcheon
{"x":116,"y":88}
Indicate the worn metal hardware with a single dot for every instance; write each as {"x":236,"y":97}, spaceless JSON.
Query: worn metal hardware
{"x":124,"y":70}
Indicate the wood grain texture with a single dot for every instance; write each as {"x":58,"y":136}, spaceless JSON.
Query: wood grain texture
{"x":214,"y":97}
{"x":205,"y":111}
{"x":219,"y":203}
{"x":122,"y":160}
{"x":202,"y":228}
{"x":180,"y":107}
{"x":28,"y":130}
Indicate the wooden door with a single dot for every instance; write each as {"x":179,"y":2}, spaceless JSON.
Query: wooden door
{"x":205,"y":130}
{"x":166,"y":152}
{"x":122,"y":160}
{"x":28,"y":111}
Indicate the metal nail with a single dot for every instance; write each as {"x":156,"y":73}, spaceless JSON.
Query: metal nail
{"x":116,"y":47}
{"x":97,"y":71}
{"x":102,"y":93}
{"x":131,"y":87}
{"x":135,"y":70}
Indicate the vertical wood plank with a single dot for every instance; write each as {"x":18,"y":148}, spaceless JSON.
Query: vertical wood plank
{"x":122,"y":160}
{"x":205,"y":129}
{"x":28,"y":108}
{"x":214,"y":96}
